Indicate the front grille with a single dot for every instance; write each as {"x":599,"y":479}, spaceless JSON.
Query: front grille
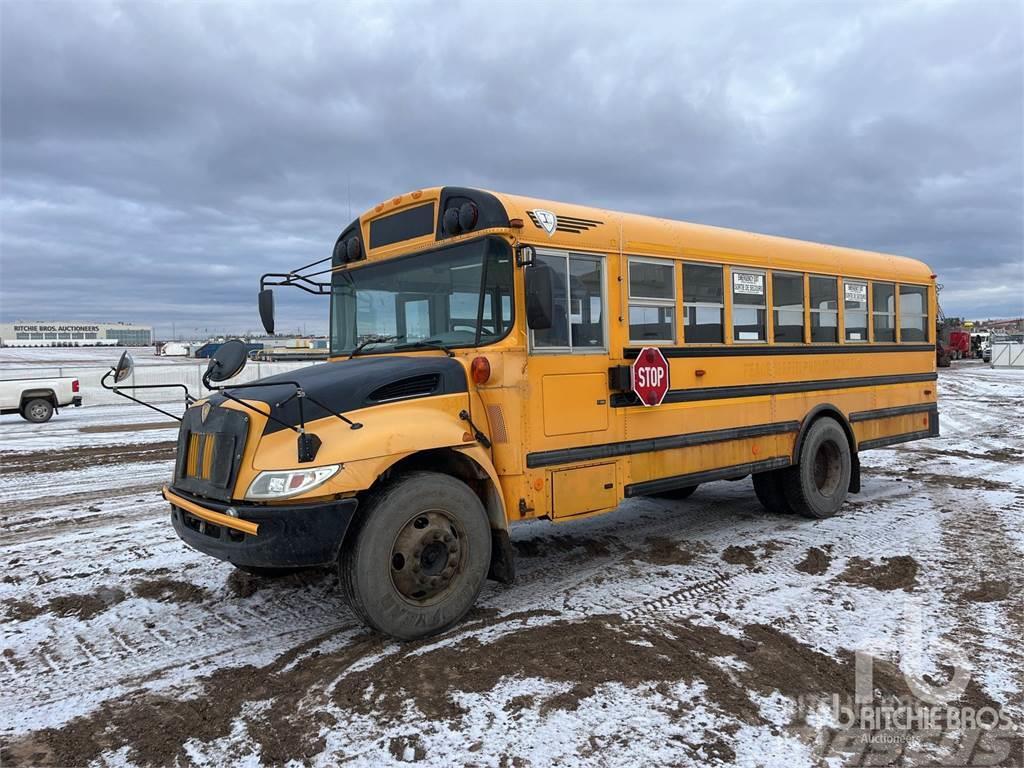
{"x":210,"y":451}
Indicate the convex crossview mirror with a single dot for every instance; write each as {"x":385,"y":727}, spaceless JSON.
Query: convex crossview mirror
{"x":539,"y":297}
{"x":267,"y":309}
{"x":228,"y":361}
{"x":125,"y":366}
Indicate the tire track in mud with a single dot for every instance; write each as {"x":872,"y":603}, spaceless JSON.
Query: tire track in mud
{"x":33,"y":462}
{"x":723,"y":589}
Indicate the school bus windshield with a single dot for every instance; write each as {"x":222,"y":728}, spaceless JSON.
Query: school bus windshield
{"x":459,"y":296}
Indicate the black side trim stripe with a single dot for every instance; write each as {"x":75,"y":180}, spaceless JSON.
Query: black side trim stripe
{"x":626,"y":399}
{"x":881,"y":442}
{"x":648,"y":445}
{"x":885,"y":413}
{"x":720,"y":350}
{"x":696,"y":478}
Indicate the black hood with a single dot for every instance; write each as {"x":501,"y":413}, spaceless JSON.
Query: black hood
{"x":352,"y":384}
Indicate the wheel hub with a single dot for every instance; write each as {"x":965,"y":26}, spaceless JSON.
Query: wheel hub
{"x":427,"y":556}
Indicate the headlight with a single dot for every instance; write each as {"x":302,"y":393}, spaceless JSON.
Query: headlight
{"x":289,"y":482}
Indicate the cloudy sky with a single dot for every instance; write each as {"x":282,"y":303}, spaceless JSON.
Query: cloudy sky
{"x":158,"y":156}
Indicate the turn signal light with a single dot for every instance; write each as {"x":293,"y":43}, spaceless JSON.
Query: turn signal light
{"x":480,"y":370}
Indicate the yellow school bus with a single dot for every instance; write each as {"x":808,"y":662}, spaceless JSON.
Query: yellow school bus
{"x":483,"y":371}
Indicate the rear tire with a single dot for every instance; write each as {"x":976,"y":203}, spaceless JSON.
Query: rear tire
{"x":817,"y":486}
{"x":37,"y":411}
{"x":418,"y":557}
{"x":768,"y":487}
{"x":677,"y":494}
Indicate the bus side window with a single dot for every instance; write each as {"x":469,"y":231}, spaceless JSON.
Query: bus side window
{"x":913,"y":313}
{"x":824,"y":309}
{"x":748,"y":305}
{"x":586,"y":303}
{"x":883,"y":310}
{"x":855,"y":314}
{"x":788,"y":298}
{"x":652,"y":301}
{"x":703,"y":304}
{"x":577,"y":322}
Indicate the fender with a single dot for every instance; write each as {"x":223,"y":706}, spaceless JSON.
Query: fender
{"x":828,"y":409}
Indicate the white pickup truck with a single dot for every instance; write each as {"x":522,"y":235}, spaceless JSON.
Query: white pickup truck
{"x":37,"y":399}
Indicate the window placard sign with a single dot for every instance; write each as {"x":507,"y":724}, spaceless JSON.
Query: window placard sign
{"x":857,"y":292}
{"x":748,"y":282}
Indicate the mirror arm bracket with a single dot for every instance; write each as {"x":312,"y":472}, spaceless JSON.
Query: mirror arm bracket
{"x":117,"y":391}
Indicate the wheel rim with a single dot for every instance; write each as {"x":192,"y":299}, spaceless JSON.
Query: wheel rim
{"x":427,"y":556}
{"x":37,"y":411}
{"x":828,"y":468}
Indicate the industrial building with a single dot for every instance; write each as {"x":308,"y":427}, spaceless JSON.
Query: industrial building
{"x":74,"y":334}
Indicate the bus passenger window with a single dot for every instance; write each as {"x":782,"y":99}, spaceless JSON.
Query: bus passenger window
{"x":913,"y":313}
{"x":824,"y":309}
{"x":586,"y":320}
{"x":748,"y":305}
{"x":703,"y":304}
{"x":788,"y":298}
{"x":652,"y":301}
{"x":883,"y":310}
{"x":578,"y":306}
{"x":855,"y":310}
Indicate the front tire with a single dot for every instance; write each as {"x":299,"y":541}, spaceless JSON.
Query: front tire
{"x":37,"y":411}
{"x":418,"y":557}
{"x":817,"y":486}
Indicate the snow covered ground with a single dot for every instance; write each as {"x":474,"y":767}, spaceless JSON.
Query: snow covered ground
{"x":701,"y":632}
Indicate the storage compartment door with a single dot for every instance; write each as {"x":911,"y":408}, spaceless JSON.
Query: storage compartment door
{"x":587,"y":489}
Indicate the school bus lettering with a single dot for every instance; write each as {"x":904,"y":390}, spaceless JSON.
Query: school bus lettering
{"x":495,"y":358}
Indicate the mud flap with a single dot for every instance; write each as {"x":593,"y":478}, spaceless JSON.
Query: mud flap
{"x":503,"y":564}
{"x":854,"y":473}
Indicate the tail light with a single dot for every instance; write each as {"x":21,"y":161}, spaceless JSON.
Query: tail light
{"x":74,"y":385}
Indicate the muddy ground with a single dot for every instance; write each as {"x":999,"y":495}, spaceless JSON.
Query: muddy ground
{"x":697,"y":632}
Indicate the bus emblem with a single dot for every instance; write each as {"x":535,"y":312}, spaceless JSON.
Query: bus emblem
{"x":204,"y":412}
{"x":546,"y":220}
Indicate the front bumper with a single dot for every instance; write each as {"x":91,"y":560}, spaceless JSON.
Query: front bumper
{"x":296,"y":535}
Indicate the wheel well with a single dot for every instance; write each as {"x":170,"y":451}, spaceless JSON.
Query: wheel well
{"x":457,"y":465}
{"x":38,"y":394}
{"x":827,"y":409}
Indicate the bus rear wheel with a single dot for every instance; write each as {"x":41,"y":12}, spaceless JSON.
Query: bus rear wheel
{"x":419,"y":555}
{"x":817,"y":485}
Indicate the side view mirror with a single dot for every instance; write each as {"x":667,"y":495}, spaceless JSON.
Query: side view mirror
{"x":125,"y":366}
{"x":539,"y":297}
{"x":228,"y":361}
{"x":267,"y":309}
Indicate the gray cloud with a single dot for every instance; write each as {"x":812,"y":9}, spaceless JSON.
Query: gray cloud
{"x":156,"y":157}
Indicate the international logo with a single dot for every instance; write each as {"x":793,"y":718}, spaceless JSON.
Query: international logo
{"x":546,"y":220}
{"x":204,"y":412}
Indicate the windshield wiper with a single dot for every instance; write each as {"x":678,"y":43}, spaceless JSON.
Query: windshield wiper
{"x":373,"y":340}
{"x":426,"y":344}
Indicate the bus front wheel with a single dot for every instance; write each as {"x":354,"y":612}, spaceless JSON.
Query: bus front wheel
{"x":418,"y":557}
{"x":817,"y":485}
